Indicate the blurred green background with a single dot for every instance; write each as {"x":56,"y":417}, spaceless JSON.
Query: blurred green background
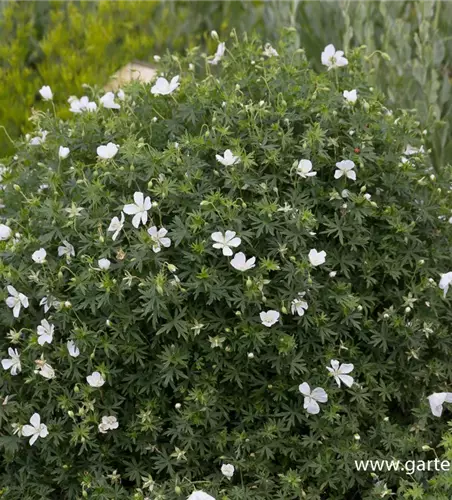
{"x":67,"y":44}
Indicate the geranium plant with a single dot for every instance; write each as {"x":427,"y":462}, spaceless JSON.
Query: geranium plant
{"x":228,"y":289}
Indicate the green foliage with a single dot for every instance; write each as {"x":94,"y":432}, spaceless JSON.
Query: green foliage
{"x":172,"y":331}
{"x":66,"y":45}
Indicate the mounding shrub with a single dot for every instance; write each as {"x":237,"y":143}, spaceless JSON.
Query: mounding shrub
{"x":229,"y":285}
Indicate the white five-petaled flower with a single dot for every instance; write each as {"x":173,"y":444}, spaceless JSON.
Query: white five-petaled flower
{"x":5,"y":232}
{"x":240,"y":262}
{"x":39,"y":256}
{"x":269,"y":318}
{"x":437,"y":399}
{"x":49,"y":302}
{"x":345,"y":167}
{"x":227,"y":470}
{"x":12,"y":363}
{"x":39,"y":139}
{"x":163,"y":87}
{"x":107,"y":152}
{"x":46,"y":93}
{"x":116,"y":225}
{"x":269,"y":51}
{"x":36,"y":429}
{"x":44,"y":369}
{"x":63,"y":152}
{"x":350,"y":95}
{"x":316,"y":258}
{"x":108,"y":423}
{"x":66,"y":249}
{"x":16,"y":300}
{"x":200,"y":495}
{"x":72,"y":349}
{"x":45,"y":332}
{"x":95,"y":379}
{"x":82,"y":104}
{"x":228,"y":158}
{"x":332,"y":58}
{"x":225,"y":241}
{"x":139,"y":209}
{"x":159,"y":238}
{"x":218,"y":54}
{"x":304,"y":169}
{"x":298,"y":305}
{"x":411,"y":150}
{"x":445,"y":281}
{"x":108,"y":101}
{"x":340,"y":371}
{"x":312,"y":398}
{"x":104,"y":264}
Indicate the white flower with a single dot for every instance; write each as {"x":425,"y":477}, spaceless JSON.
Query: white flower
{"x":121,"y":95}
{"x":72,"y":349}
{"x":39,"y":139}
{"x":36,"y":429}
{"x":139,"y":209}
{"x":116,"y":225}
{"x":107,"y":152}
{"x":13,"y":362}
{"x":16,"y":300}
{"x":108,"y":101}
{"x":39,"y":256}
{"x":218,"y":54}
{"x":159,"y":239}
{"x":227,"y":470}
{"x":240,"y":263}
{"x":436,"y":401}
{"x":298,"y":305}
{"x":104,"y":264}
{"x":332,"y":58}
{"x":45,"y":369}
{"x":5,"y":232}
{"x":304,"y":169}
{"x":45,"y":332}
{"x":66,"y":249}
{"x":82,"y":104}
{"x":350,"y":96}
{"x":411,"y":150}
{"x":108,"y":424}
{"x":95,"y":379}
{"x":345,"y":167}
{"x":63,"y":152}
{"x":312,"y":398}
{"x":269,"y":318}
{"x":316,"y":258}
{"x":200,"y":495}
{"x":332,"y":274}
{"x":49,"y":302}
{"x":226,"y":241}
{"x":46,"y":93}
{"x":228,"y":158}
{"x":339,"y":372}
{"x":269,"y":51}
{"x":163,"y":87}
{"x":446,"y":280}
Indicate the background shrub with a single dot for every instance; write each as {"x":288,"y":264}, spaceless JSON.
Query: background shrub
{"x":67,"y":44}
{"x":171,"y":332}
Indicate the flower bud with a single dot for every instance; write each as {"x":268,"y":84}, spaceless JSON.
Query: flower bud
{"x":172,"y":268}
{"x":250,"y":355}
{"x":249,"y":283}
{"x":284,"y":309}
{"x":177,"y":406}
{"x":407,"y":310}
{"x":214,"y":35}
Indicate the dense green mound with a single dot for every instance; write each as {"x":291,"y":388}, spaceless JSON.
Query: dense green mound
{"x":239,"y":268}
